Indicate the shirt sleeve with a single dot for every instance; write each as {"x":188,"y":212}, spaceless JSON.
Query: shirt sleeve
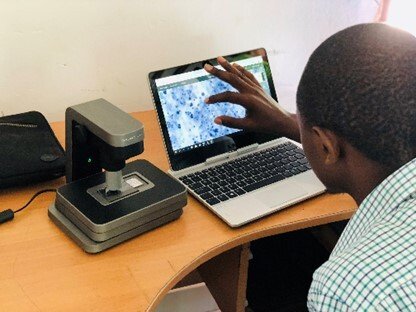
{"x":319,"y":302}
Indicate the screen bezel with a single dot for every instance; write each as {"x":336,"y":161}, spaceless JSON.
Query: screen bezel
{"x":239,"y":139}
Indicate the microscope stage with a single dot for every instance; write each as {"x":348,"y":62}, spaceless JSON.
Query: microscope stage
{"x":149,"y":198}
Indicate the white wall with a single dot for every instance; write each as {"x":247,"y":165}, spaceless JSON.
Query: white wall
{"x":57,"y":53}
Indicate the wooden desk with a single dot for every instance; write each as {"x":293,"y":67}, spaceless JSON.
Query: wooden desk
{"x":41,"y":269}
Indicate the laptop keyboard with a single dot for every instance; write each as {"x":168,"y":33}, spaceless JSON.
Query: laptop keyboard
{"x":248,"y":173}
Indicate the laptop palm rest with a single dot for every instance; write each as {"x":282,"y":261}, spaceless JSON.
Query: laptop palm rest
{"x":246,"y":208}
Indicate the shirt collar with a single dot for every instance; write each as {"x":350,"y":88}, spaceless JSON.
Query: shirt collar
{"x":384,"y":199}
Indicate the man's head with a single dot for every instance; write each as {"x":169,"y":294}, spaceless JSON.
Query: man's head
{"x":358,"y":94}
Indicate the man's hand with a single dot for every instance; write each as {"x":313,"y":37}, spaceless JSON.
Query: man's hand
{"x":264,"y":114}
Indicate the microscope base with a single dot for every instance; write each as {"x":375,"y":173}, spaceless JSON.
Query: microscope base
{"x":96,"y":222}
{"x":91,"y":246}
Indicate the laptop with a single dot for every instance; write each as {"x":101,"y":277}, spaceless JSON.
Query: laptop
{"x":240,"y":176}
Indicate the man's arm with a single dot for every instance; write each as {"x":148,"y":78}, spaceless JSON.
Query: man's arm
{"x":264,"y":114}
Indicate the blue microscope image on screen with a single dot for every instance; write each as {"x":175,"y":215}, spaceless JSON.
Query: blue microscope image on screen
{"x":189,"y":119}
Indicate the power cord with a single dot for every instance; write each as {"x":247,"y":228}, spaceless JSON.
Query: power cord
{"x":8,"y":214}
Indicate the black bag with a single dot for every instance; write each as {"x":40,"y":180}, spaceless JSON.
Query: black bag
{"x":29,"y":150}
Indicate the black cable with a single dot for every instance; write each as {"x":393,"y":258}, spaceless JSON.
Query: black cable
{"x":8,"y":214}
{"x":33,"y":197}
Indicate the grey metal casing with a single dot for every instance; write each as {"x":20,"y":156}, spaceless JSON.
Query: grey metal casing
{"x":106,"y":121}
{"x":92,"y":246}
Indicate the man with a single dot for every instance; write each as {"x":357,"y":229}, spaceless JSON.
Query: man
{"x":356,"y":119}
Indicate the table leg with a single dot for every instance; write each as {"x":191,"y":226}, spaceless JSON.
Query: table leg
{"x":226,"y":278}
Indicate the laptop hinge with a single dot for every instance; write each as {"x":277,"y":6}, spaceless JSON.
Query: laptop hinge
{"x":238,"y":152}
{"x":221,"y":157}
{"x":247,"y":149}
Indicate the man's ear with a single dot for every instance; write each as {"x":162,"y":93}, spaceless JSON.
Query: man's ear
{"x":330,"y":144}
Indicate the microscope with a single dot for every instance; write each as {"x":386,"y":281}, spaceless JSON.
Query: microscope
{"x":106,"y":200}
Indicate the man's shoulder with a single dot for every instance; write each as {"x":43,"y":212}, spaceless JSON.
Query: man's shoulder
{"x":375,"y":266}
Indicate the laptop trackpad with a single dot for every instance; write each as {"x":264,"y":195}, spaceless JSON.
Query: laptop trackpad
{"x":249,"y":207}
{"x":280,"y":194}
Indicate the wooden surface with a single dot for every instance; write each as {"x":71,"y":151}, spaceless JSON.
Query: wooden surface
{"x":41,"y":269}
{"x":226,"y":278}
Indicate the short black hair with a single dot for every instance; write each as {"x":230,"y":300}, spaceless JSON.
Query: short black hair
{"x":361,"y":84}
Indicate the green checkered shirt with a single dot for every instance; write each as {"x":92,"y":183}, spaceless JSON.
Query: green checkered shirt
{"x":373,"y":265}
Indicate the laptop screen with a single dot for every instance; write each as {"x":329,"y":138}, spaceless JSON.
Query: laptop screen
{"x":188,"y":118}
{"x":187,"y":122}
